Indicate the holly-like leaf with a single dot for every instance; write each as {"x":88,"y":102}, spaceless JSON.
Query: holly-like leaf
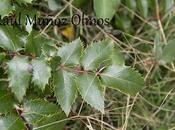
{"x":9,"y":41}
{"x":122,"y":78}
{"x":105,"y":9}
{"x":70,"y":54}
{"x":11,"y":122}
{"x":19,"y":76}
{"x":41,"y":73}
{"x":65,"y":89}
{"x":169,"y":52}
{"x":6,"y":102}
{"x":89,"y":88}
{"x":6,"y":7}
{"x":35,"y":110}
{"x":97,"y":54}
{"x":35,"y":43}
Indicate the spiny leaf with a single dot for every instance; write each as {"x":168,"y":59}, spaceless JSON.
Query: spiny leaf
{"x":89,"y":88}
{"x":9,"y":41}
{"x":96,"y":54}
{"x":105,"y":9}
{"x":35,"y":110}
{"x":122,"y":78}
{"x":35,"y":43}
{"x":70,"y":54}
{"x":11,"y":122}
{"x":41,"y":73}
{"x":65,"y":89}
{"x":19,"y":76}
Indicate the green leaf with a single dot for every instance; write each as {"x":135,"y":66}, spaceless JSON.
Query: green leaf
{"x":96,"y":54}
{"x":6,"y":7}
{"x":105,"y":9}
{"x":36,"y":110}
{"x":143,"y":7}
{"x":89,"y":88}
{"x":9,"y":41}
{"x":122,"y":78}
{"x":70,"y":54}
{"x":19,"y":76}
{"x":41,"y":73}
{"x":65,"y":89}
{"x":6,"y":102}
{"x":169,"y":52}
{"x":35,"y":42}
{"x":11,"y":122}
